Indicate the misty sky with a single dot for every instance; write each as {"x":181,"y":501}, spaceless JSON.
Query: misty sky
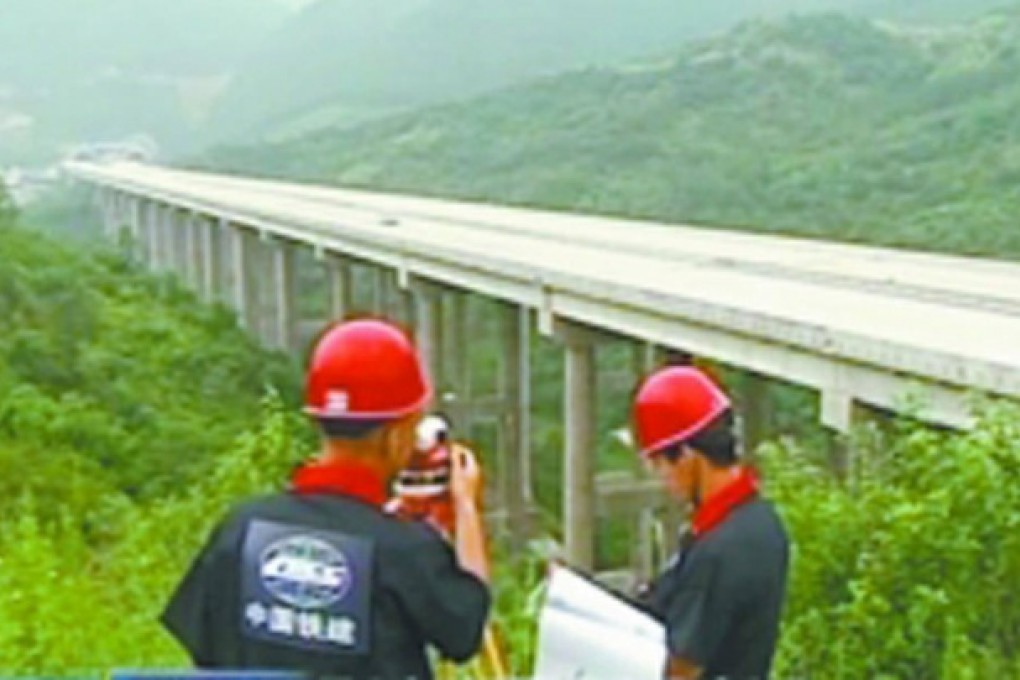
{"x":192,"y":73}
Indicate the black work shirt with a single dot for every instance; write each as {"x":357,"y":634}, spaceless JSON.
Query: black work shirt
{"x":329,"y":585}
{"x":722,"y":595}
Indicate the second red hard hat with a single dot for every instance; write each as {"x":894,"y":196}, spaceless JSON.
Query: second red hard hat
{"x":673,"y":405}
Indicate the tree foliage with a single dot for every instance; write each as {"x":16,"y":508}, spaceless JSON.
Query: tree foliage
{"x":124,"y":369}
{"x":123,"y":408}
{"x":902,"y":569}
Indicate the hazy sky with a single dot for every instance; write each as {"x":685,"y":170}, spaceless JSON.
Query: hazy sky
{"x":295,"y":4}
{"x":195,"y":72}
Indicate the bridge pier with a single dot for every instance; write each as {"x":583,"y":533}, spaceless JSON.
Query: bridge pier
{"x":457,"y":402}
{"x":160,"y":254}
{"x":140,"y":228}
{"x":242,"y":291}
{"x":175,"y":223}
{"x":104,"y":198}
{"x":264,"y":295}
{"x":148,"y":232}
{"x":753,"y":410}
{"x":580,"y":442}
{"x":150,"y":213}
{"x":162,"y":243}
{"x":338,"y":275}
{"x":283,"y":335}
{"x":212,"y":256}
{"x":193,"y":275}
{"x":514,"y":425}
{"x":840,"y":412}
{"x":429,"y":327}
{"x":166,"y":228}
{"x":379,"y":284}
{"x":400,"y":301}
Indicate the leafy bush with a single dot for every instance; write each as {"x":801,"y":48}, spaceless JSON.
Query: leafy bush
{"x":904,"y":568}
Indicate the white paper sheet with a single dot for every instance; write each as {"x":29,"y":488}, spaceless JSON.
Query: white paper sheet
{"x":586,"y":633}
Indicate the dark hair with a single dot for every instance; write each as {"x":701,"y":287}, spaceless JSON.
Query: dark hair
{"x":348,"y":428}
{"x":716,"y":442}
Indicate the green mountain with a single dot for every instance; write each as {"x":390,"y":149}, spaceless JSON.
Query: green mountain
{"x":351,"y":59}
{"x":821,"y":125}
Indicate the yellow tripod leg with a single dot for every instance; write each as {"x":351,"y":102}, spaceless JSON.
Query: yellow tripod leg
{"x":446,"y":670}
{"x":489,"y":664}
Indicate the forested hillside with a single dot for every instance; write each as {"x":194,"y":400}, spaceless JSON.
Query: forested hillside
{"x":820,"y":125}
{"x":351,"y":59}
{"x":122,"y":403}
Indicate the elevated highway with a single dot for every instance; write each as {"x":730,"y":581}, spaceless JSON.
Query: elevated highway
{"x":860,"y":325}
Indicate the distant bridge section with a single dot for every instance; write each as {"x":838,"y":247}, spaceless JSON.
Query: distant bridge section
{"x":860,"y":325}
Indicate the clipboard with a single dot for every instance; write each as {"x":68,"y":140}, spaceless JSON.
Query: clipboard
{"x":586,"y":632}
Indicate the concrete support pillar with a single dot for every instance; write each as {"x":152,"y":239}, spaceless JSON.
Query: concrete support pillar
{"x":405,"y":309}
{"x":140,"y":229}
{"x":840,"y":412}
{"x":166,"y":234}
{"x":194,"y":275}
{"x":647,"y":358}
{"x":515,"y":423}
{"x":241,"y":265}
{"x":429,"y":328}
{"x":212,"y":259}
{"x":458,"y":364}
{"x":178,"y":228}
{"x":579,"y":473}
{"x":338,"y":275}
{"x":754,"y":411}
{"x":379,"y":284}
{"x":284,"y":327}
{"x":151,"y":212}
{"x":400,"y":300}
{"x":166,"y":237}
{"x":105,"y":200}
{"x":126,"y":226}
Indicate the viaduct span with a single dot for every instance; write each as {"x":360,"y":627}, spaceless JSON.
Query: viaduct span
{"x":861,"y":326}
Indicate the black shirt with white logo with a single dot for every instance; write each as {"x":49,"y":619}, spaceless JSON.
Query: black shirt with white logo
{"x":721,"y":596}
{"x":328,"y":585}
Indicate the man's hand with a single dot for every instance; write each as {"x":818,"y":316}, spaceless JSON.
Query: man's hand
{"x":469,"y":535}
{"x":681,"y":669}
{"x":465,"y":477}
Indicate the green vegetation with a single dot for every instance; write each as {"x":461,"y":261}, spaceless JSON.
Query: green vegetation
{"x":123,"y":406}
{"x":903,"y":569}
{"x":131,"y":416}
{"x":823,"y":126}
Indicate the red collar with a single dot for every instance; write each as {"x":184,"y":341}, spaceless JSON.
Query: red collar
{"x":347,"y":478}
{"x":717,"y":507}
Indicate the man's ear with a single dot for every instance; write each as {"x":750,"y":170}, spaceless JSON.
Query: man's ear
{"x":398,"y":443}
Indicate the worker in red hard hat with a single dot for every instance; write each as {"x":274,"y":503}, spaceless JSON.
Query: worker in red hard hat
{"x":322,"y":580}
{"x":720,"y":597}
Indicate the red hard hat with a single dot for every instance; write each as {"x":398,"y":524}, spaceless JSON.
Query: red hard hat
{"x":365,"y":370}
{"x":673,"y":405}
